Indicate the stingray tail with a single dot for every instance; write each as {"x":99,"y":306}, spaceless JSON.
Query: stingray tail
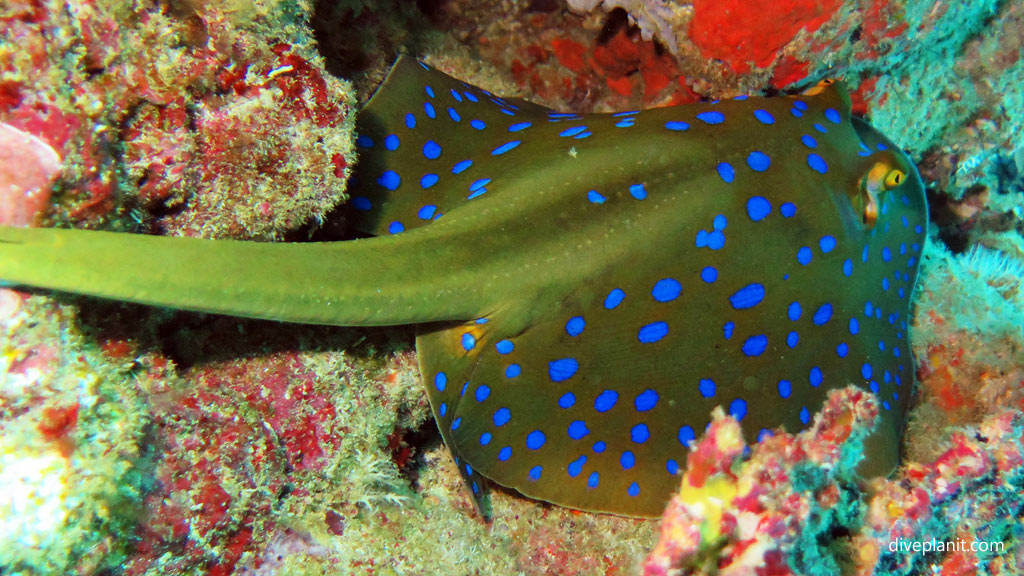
{"x":357,"y":283}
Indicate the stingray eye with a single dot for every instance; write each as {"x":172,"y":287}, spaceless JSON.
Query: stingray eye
{"x":894,"y":178}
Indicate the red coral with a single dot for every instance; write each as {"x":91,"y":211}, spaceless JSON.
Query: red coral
{"x":739,"y":32}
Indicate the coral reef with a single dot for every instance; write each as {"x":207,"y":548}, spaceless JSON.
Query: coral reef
{"x":146,"y":442}
{"x":208,"y":119}
{"x":72,"y":425}
{"x":27,"y":164}
{"x":794,"y":506}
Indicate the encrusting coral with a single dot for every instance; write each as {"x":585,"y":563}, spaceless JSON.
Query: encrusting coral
{"x":795,"y":505}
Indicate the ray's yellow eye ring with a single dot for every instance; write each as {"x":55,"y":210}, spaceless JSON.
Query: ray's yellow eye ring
{"x":894,"y":178}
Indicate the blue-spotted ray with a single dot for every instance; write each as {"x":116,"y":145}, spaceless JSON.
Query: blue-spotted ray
{"x":591,"y":287}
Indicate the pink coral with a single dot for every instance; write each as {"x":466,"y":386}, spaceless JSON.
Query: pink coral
{"x":27,"y":165}
{"x":780,"y":510}
{"x":753,"y":512}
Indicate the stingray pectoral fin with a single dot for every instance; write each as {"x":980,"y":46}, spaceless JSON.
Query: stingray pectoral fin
{"x":883,"y":446}
{"x":364,"y":282}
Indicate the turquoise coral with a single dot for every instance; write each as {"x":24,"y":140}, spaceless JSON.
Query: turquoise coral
{"x":794,"y":506}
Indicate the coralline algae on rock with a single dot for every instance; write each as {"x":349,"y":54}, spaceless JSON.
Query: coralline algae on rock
{"x":205,"y":119}
{"x":794,"y":507}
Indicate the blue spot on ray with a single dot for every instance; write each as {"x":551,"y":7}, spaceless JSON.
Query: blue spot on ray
{"x":562,"y":369}
{"x":576,"y":466}
{"x":787,"y":209}
{"x":652,"y":332}
{"x":428,"y":180}
{"x":410,"y":121}
{"x":706,"y":387}
{"x":568,"y":400}
{"x":461,"y":166}
{"x":627,"y":460}
{"x":677,"y":126}
{"x":758,"y":208}
{"x":432,"y":150}
{"x":574,"y":326}
{"x":505,"y":147}
{"x":646,"y":400}
{"x":390,"y":179}
{"x":606,"y":400}
{"x":804,"y":255}
{"x":809,"y":141}
{"x":361,"y":203}
{"x":595,"y":197}
{"x":726,"y":172}
{"x":686,"y":435}
{"x":578,"y":429}
{"x":785,"y":388}
{"x":482,"y":392}
{"x":764,"y":117}
{"x":711,"y":117}
{"x":501,"y":416}
{"x":505,"y":347}
{"x":755,"y":345}
{"x":666,"y":290}
{"x":478,"y":124}
{"x":758,"y":161}
{"x":614,"y":298}
{"x":639,"y":433}
{"x":478,"y":185}
{"x":814,"y":377}
{"x":535,"y":439}
{"x":575,"y":130}
{"x":823,"y":314}
{"x":535,"y":472}
{"x":638,"y":191}
{"x":391,"y":142}
{"x":817,"y":163}
{"x":747,"y":297}
{"x":709,"y":274}
{"x":427,"y":212}
{"x":738,"y":408}
{"x":396,"y":227}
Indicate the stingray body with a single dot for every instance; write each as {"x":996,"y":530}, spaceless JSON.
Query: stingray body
{"x":590,"y":287}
